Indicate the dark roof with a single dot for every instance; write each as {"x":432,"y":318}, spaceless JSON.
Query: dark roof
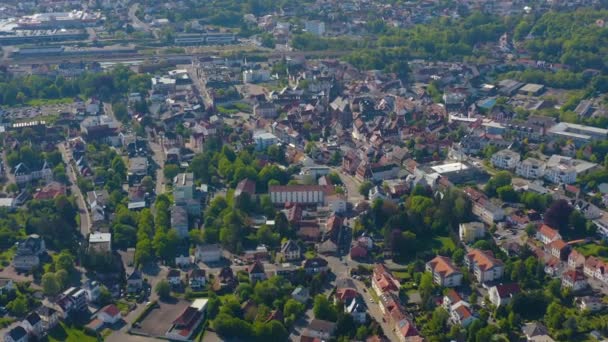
{"x":257,"y":267}
{"x":173,"y":273}
{"x":197,"y":273}
{"x":135,"y":275}
{"x":507,"y":290}
{"x":186,"y":317}
{"x":315,"y":262}
{"x":33,"y":318}
{"x":322,"y":325}
{"x":535,"y":329}
{"x":17,"y":333}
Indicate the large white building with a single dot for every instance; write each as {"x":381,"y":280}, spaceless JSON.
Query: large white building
{"x":263,"y":140}
{"x":301,"y":194}
{"x":580,"y":134}
{"x":471,"y":231}
{"x":484,"y":265}
{"x":531,"y":168}
{"x":315,"y":27}
{"x":505,"y":159}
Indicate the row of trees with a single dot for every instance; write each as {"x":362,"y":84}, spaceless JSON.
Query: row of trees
{"x":104,"y":85}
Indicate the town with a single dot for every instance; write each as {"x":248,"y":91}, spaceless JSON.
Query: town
{"x":304,"y":171}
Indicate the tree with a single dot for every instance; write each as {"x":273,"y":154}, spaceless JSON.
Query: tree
{"x":105,"y":297}
{"x":65,"y":261}
{"x":170,"y":171}
{"x":163,"y":289}
{"x":323,"y":309}
{"x":364,"y":188}
{"x":293,"y":307}
{"x":18,"y":306}
{"x":143,"y":251}
{"x":558,"y":214}
{"x":50,"y":284}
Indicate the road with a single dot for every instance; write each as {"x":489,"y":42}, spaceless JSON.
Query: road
{"x":158,"y":155}
{"x":135,"y":22}
{"x":154,"y":276}
{"x":7,"y":169}
{"x":198,"y":76}
{"x":85,"y":220}
{"x":351,"y":184}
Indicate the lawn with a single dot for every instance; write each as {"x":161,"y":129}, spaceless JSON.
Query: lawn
{"x":63,"y":332}
{"x":592,"y":249}
{"x":436,"y":243}
{"x":46,"y":102}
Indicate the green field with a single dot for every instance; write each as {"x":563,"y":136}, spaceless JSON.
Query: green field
{"x":63,"y":332}
{"x":46,"y":102}
{"x":592,"y":249}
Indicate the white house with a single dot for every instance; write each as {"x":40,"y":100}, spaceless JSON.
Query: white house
{"x":484,"y":266}
{"x":100,"y":242}
{"x":530,"y":168}
{"x":505,"y":159}
{"x":291,"y":251}
{"x":208,"y":253}
{"x":574,"y":279}
{"x":471,"y":231}
{"x":501,"y":295}
{"x":110,"y":314}
{"x":444,"y":272}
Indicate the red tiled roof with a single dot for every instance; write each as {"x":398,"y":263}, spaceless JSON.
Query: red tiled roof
{"x":443,"y":265}
{"x":112,"y":310}
{"x":558,"y":244}
{"x":507,"y":290}
{"x":483,"y":259}
{"x":548,"y":232}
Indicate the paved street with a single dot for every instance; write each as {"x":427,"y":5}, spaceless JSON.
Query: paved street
{"x":158,"y":155}
{"x":85,"y":221}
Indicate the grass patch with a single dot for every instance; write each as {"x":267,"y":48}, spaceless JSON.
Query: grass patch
{"x":310,"y":254}
{"x":62,"y":332}
{"x":592,"y":249}
{"x":5,"y":322}
{"x":402,"y":275}
{"x":123,"y":307}
{"x":46,"y":102}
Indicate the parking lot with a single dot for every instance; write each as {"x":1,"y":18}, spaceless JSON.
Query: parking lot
{"x":159,"y":320}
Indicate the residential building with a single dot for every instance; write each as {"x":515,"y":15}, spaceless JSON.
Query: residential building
{"x":580,"y":134}
{"x":301,"y":294}
{"x":24,"y":174}
{"x":256,"y":271}
{"x":321,"y":329}
{"x":16,"y":334}
{"x":299,"y":194}
{"x":92,"y":289}
{"x":265,"y":110}
{"x":546,"y":234}
{"x":483,"y":265}
{"x":135,"y":281}
{"x":33,"y":324}
{"x":462,"y":315}
{"x":471,"y":231}
{"x":197,"y":278}
{"x":406,"y":331}
{"x":28,"y":253}
{"x":208,"y":253}
{"x":179,"y":220}
{"x":315,"y":265}
{"x":536,"y":332}
{"x":444,"y":272}
{"x":589,"y":303}
{"x":183,"y":327}
{"x":290,"y":251}
{"x":174,"y":277}
{"x":246,"y":186}
{"x":574,"y":279}
{"x":576,"y":259}
{"x":315,"y":27}
{"x":501,"y":295}
{"x":558,"y":249}
{"x":264,"y":140}
{"x":49,"y":316}
{"x":100,"y":242}
{"x":6,"y":286}
{"x":357,"y":309}
{"x":505,"y":159}
{"x":110,"y":314}
{"x":383,"y":280}
{"x":530,"y":168}
{"x":483,"y":208}
{"x":185,"y":194}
